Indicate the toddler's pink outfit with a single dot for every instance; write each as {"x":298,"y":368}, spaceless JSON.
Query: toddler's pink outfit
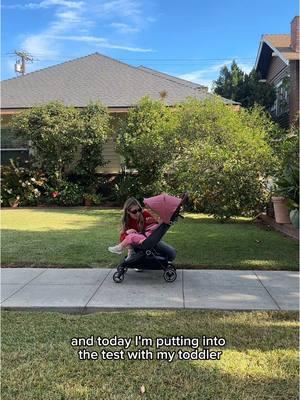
{"x":137,"y":238}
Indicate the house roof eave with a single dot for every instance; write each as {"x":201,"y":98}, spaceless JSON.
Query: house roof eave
{"x":277,"y":53}
{"x":259,"y":53}
{"x":273,"y":51}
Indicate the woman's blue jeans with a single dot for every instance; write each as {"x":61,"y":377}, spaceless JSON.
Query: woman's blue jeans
{"x":166,"y":250}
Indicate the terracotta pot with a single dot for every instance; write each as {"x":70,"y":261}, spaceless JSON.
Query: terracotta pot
{"x":14,"y":204}
{"x":87,"y":202}
{"x":281,"y":210}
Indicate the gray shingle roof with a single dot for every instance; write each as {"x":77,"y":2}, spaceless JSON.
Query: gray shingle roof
{"x":91,"y":78}
{"x":175,"y":79}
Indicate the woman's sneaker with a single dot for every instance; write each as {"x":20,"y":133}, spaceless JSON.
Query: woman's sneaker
{"x":115,"y":249}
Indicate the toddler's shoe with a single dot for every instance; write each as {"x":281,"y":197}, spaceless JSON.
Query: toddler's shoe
{"x":115,"y":249}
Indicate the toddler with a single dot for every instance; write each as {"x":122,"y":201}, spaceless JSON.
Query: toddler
{"x":132,"y":238}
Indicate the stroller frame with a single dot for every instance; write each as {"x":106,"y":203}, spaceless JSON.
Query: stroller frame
{"x":147,"y":257}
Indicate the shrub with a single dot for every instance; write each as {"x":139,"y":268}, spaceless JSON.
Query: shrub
{"x":95,"y":199}
{"x":221,"y":161}
{"x":126,"y":186}
{"x":21,"y":183}
{"x":71,"y":195}
{"x":54,"y":131}
{"x":64,"y":139}
{"x":146,"y":141}
{"x":63,"y":193}
{"x":96,"y":122}
{"x":287,"y":175}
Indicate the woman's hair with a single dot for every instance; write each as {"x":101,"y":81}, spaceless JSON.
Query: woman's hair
{"x":129,"y":203}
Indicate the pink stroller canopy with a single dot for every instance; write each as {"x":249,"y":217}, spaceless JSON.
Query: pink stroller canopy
{"x":164,"y":205}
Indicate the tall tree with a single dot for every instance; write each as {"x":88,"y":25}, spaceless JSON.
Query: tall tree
{"x":230,"y":82}
{"x":245,"y":88}
{"x":258,"y":92}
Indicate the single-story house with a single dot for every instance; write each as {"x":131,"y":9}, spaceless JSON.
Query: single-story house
{"x":95,"y":77}
{"x":278,"y":63}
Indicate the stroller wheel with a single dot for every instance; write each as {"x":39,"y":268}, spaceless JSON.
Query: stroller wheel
{"x":118,"y":277}
{"x":170,"y":275}
{"x":121,"y":269}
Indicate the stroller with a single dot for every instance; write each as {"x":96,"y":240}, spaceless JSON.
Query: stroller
{"x":145,"y":255}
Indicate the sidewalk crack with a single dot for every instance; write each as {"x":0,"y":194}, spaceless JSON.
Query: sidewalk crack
{"x":85,"y":307}
{"x":22,"y":287}
{"x":267,"y":291}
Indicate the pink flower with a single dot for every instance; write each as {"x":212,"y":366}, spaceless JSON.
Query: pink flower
{"x":54,"y":194}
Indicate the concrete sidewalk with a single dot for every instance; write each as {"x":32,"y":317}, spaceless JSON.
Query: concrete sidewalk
{"x":89,"y":290}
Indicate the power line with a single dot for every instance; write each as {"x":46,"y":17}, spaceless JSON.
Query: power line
{"x":146,"y":59}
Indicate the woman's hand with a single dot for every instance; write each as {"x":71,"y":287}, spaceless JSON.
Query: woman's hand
{"x":131,"y":231}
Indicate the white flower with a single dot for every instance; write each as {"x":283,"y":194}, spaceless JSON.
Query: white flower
{"x":32,"y":179}
{"x":36,"y":192}
{"x":23,"y":184}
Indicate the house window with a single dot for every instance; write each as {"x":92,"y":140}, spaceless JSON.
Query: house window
{"x":281,"y":104}
{"x":11,"y":146}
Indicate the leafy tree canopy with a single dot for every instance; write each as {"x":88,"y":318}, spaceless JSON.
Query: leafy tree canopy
{"x":245,"y":88}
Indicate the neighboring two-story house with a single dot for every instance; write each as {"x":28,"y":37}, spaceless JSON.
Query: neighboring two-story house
{"x":278,"y":63}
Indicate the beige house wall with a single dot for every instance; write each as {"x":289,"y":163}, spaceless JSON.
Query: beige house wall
{"x":110,"y":155}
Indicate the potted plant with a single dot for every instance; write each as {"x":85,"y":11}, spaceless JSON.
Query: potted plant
{"x":91,"y":199}
{"x":281,"y":210}
{"x":14,"y":202}
{"x":286,"y":206}
{"x":88,"y":199}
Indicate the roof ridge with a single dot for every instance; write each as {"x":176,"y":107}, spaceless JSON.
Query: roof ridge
{"x":140,"y":70}
{"x":163,"y":78}
{"x":143,"y":71}
{"x":171,"y":76}
{"x":50,"y":66}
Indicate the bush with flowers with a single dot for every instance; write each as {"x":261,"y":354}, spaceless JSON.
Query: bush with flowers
{"x":63,"y":193}
{"x":21,"y":184}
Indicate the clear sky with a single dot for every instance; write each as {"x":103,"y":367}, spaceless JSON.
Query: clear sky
{"x":191,"y":39}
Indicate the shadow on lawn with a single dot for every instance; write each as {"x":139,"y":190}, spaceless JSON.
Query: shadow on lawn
{"x":243,"y":331}
{"x":92,"y":211}
{"x":254,"y":330}
{"x":254,"y":383}
{"x":89,"y":211}
{"x":86,"y":243}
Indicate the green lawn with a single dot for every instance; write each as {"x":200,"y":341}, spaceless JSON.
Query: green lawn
{"x":259,"y":360}
{"x":80,"y":237}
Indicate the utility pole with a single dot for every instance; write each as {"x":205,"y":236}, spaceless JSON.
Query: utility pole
{"x":20,"y":65}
